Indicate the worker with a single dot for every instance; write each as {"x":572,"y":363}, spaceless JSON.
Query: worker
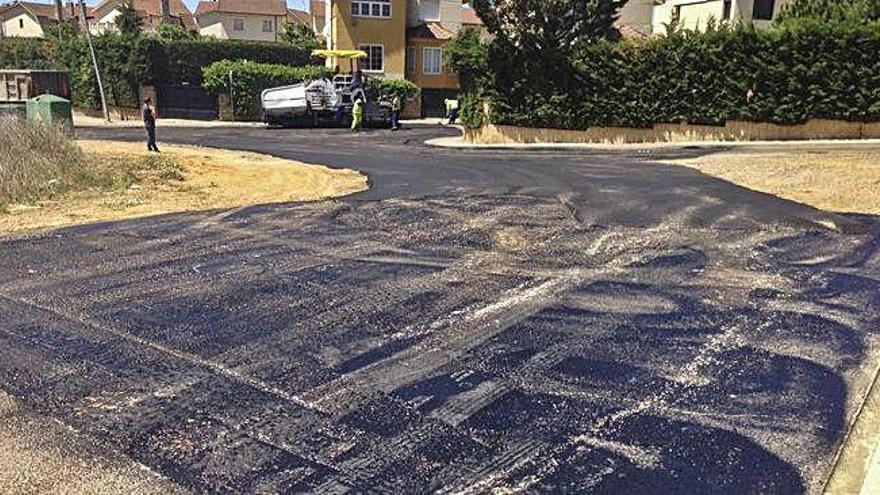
{"x":357,"y":86}
{"x":149,"y":116}
{"x":396,"y":108}
{"x":357,"y":113}
{"x":451,"y":110}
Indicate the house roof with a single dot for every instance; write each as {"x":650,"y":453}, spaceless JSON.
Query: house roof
{"x":430,"y":31}
{"x":42,"y":11}
{"x":630,"y":32}
{"x":469,"y":16}
{"x":299,"y":16}
{"x":259,"y":7}
{"x":318,"y":8}
{"x":150,"y":11}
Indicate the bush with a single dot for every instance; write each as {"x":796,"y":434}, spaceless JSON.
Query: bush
{"x":26,"y":53}
{"x":381,"y":88}
{"x":784,"y":75}
{"x":250,"y":79}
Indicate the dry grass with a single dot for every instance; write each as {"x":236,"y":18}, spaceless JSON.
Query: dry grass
{"x":837,"y":180}
{"x":133,"y":183}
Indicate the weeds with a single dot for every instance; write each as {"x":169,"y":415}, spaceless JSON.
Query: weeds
{"x":41,"y":163}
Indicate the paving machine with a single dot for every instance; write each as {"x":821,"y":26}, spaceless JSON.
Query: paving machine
{"x":325,"y":101}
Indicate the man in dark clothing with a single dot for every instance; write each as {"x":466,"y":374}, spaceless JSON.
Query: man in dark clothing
{"x":150,"y":124}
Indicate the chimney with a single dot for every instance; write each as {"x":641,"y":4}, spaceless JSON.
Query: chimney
{"x":59,"y":10}
{"x":165,"y":10}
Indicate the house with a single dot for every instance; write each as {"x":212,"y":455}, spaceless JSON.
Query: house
{"x":30,"y":20}
{"x":697,"y":14}
{"x":403,"y":39}
{"x":150,"y":12}
{"x":252,"y":20}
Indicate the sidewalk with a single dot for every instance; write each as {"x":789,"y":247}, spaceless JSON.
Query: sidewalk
{"x":460,"y":143}
{"x":80,"y":120}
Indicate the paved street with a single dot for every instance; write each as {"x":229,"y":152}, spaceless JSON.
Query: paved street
{"x":476,"y":321}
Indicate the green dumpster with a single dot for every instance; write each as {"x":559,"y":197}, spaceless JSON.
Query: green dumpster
{"x":52,"y":110}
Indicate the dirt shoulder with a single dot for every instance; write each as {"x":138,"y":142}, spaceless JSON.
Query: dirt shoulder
{"x":208,"y":179}
{"x":843,"y":181}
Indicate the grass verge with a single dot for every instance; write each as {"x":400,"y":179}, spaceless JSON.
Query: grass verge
{"x":843,"y":181}
{"x":58,"y":182}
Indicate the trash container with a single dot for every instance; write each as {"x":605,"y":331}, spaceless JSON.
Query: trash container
{"x":51,"y":110}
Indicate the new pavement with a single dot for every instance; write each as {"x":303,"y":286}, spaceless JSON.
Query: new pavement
{"x":475,"y":322}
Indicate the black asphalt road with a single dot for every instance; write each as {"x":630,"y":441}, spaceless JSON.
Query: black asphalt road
{"x":476,"y":322}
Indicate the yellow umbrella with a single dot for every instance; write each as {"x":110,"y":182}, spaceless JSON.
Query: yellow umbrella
{"x":344,"y":54}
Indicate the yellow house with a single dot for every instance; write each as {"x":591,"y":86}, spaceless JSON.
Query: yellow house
{"x":402,"y":38}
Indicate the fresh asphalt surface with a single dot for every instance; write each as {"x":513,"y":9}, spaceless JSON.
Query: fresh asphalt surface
{"x":477,"y":321}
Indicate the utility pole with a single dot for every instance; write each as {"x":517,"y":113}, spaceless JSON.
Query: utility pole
{"x":85,"y":23}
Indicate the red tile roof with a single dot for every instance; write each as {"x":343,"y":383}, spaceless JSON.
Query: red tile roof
{"x":318,"y":8}
{"x":43,"y":10}
{"x":258,"y":7}
{"x":469,"y":16}
{"x":150,"y":11}
{"x":300,"y":16}
{"x":430,"y":31}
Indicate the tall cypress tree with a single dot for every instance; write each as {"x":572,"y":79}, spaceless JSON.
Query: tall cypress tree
{"x":128,"y":22}
{"x":540,"y":25}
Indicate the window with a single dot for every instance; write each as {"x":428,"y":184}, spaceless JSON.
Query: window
{"x":676,"y":14}
{"x":728,"y":5}
{"x":268,"y":26}
{"x":238,"y":24}
{"x":430,"y":10}
{"x":21,"y":23}
{"x":763,"y":10}
{"x":432,"y":61}
{"x":375,"y":61}
{"x":410,"y":61}
{"x":380,"y":9}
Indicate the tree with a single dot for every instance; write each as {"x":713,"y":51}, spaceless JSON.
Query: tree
{"x":858,"y":11}
{"x":174,"y":31}
{"x":549,"y":25}
{"x":128,"y":22}
{"x":468,"y":57}
{"x":300,"y":35}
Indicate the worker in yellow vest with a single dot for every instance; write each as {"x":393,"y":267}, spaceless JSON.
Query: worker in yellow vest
{"x":357,"y":113}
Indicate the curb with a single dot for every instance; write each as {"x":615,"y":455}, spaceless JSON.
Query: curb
{"x":856,"y":469}
{"x":460,"y":144}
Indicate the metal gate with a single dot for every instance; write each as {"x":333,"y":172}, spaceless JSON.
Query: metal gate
{"x":186,"y":102}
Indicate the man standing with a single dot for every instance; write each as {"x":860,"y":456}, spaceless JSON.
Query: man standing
{"x":396,"y":108}
{"x":150,"y":124}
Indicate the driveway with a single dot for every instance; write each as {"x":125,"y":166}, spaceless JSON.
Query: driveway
{"x":476,"y":321}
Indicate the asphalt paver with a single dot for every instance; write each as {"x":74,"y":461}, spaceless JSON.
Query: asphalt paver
{"x":475,"y":322}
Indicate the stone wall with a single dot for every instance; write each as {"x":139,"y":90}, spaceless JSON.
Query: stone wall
{"x":670,"y":133}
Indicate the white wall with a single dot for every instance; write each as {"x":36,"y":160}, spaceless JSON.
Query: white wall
{"x":638,"y":13}
{"x":22,"y":25}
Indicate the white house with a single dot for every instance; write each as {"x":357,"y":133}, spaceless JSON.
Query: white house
{"x":696,"y":14}
{"x":252,"y":20}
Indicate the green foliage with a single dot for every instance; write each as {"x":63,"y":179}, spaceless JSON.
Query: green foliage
{"x":784,"y":75}
{"x":250,"y":79}
{"x":856,"y":11}
{"x":128,"y":22}
{"x":127,"y":62}
{"x":382,"y":88}
{"x":300,"y":36}
{"x":468,"y":57}
{"x":26,"y":53}
{"x":174,"y":31}
{"x":544,"y":27}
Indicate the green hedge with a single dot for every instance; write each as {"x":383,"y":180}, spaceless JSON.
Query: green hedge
{"x":128,"y":62}
{"x":250,"y":79}
{"x":795,"y":72}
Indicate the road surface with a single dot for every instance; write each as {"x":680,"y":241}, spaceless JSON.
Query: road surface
{"x":476,"y":321}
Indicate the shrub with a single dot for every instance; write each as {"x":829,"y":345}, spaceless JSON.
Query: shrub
{"x":250,"y":79}
{"x":784,"y":75}
{"x":381,"y":88}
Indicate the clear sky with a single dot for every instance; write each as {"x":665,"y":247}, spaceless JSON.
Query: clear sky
{"x":296,"y":4}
